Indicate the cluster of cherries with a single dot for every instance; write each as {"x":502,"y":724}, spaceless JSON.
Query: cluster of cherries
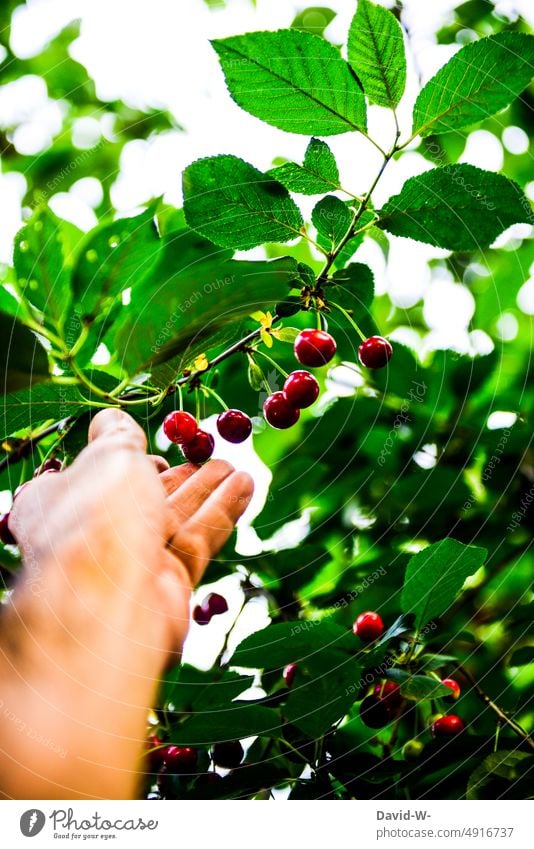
{"x":383,"y":705}
{"x":313,"y":348}
{"x":52,"y":464}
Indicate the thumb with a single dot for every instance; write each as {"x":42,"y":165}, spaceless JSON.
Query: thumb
{"x":117,"y":428}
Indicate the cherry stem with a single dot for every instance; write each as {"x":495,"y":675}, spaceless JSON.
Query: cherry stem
{"x":180,"y":398}
{"x":272,"y":362}
{"x":349,"y":318}
{"x":197,"y":404}
{"x":209,"y":391}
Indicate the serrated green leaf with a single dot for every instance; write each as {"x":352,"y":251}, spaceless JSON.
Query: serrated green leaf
{"x":421,"y":687}
{"x":237,"y":720}
{"x":292,"y":80}
{"x":193,"y":304}
{"x":435,"y":576}
{"x":376,"y":53}
{"x":41,"y":403}
{"x":23,"y":359}
{"x":317,"y":174}
{"x":113,"y":258}
{"x":458,"y":207}
{"x":332,"y":219}
{"x":510,"y":765}
{"x":481,"y":79}
{"x":320,"y":696}
{"x":236,"y":206}
{"x":289,"y":642}
{"x":40,"y":266}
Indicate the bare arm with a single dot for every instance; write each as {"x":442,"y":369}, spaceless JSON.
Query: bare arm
{"x":111,"y":549}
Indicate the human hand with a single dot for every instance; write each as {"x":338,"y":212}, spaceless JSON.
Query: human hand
{"x":111,"y":547}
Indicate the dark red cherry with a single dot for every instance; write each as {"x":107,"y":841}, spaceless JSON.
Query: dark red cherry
{"x":375,"y":713}
{"x":388,"y":692}
{"x":53,"y":464}
{"x":447,"y":726}
{"x":368,"y":626}
{"x":200,"y":448}
{"x":180,"y":427}
{"x":289,"y":674}
{"x":179,"y":759}
{"x":201,"y":615}
{"x":301,"y":389}
{"x":215,"y":604}
{"x":234,"y":426}
{"x":375,"y":352}
{"x":279,"y":412}
{"x":5,"y":534}
{"x":314,"y":348}
{"x":228,"y":755}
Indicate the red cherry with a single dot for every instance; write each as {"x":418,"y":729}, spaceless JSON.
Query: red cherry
{"x":53,"y":464}
{"x":180,"y":427}
{"x":368,"y":626}
{"x":201,"y":616}
{"x":155,"y":754}
{"x":314,"y":348}
{"x":375,"y":352}
{"x":289,"y":674}
{"x":447,"y":726}
{"x":279,"y":412}
{"x":375,"y":713}
{"x":180,"y":759}
{"x":228,"y":755}
{"x":301,"y":389}
{"x":5,"y":534}
{"x":199,"y":449}
{"x":388,"y":692}
{"x":453,"y":686}
{"x":215,"y":604}
{"x":234,"y":426}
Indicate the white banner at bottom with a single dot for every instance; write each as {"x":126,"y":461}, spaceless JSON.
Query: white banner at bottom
{"x":198,"y":824}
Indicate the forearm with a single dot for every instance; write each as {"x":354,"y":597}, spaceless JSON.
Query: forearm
{"x":76,"y":688}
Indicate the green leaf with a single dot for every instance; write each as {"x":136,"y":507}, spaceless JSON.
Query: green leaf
{"x":510,"y":766}
{"x":292,"y":80}
{"x":289,"y":642}
{"x":190,"y":689}
{"x":23,"y":359}
{"x":193,"y":305}
{"x":435,"y":576}
{"x":8,"y":303}
{"x":458,"y":207}
{"x":41,"y":403}
{"x":319,"y":696}
{"x":376,"y":53}
{"x":236,"y":206}
{"x":482,"y":78}
{"x":420,"y":687}
{"x":113,"y":258}
{"x":237,"y":720}
{"x":40,"y":266}
{"x":317,"y":174}
{"x":331,"y":218}
{"x":256,"y":378}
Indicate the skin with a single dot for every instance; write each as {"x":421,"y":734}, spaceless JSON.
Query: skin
{"x":111,"y":548}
